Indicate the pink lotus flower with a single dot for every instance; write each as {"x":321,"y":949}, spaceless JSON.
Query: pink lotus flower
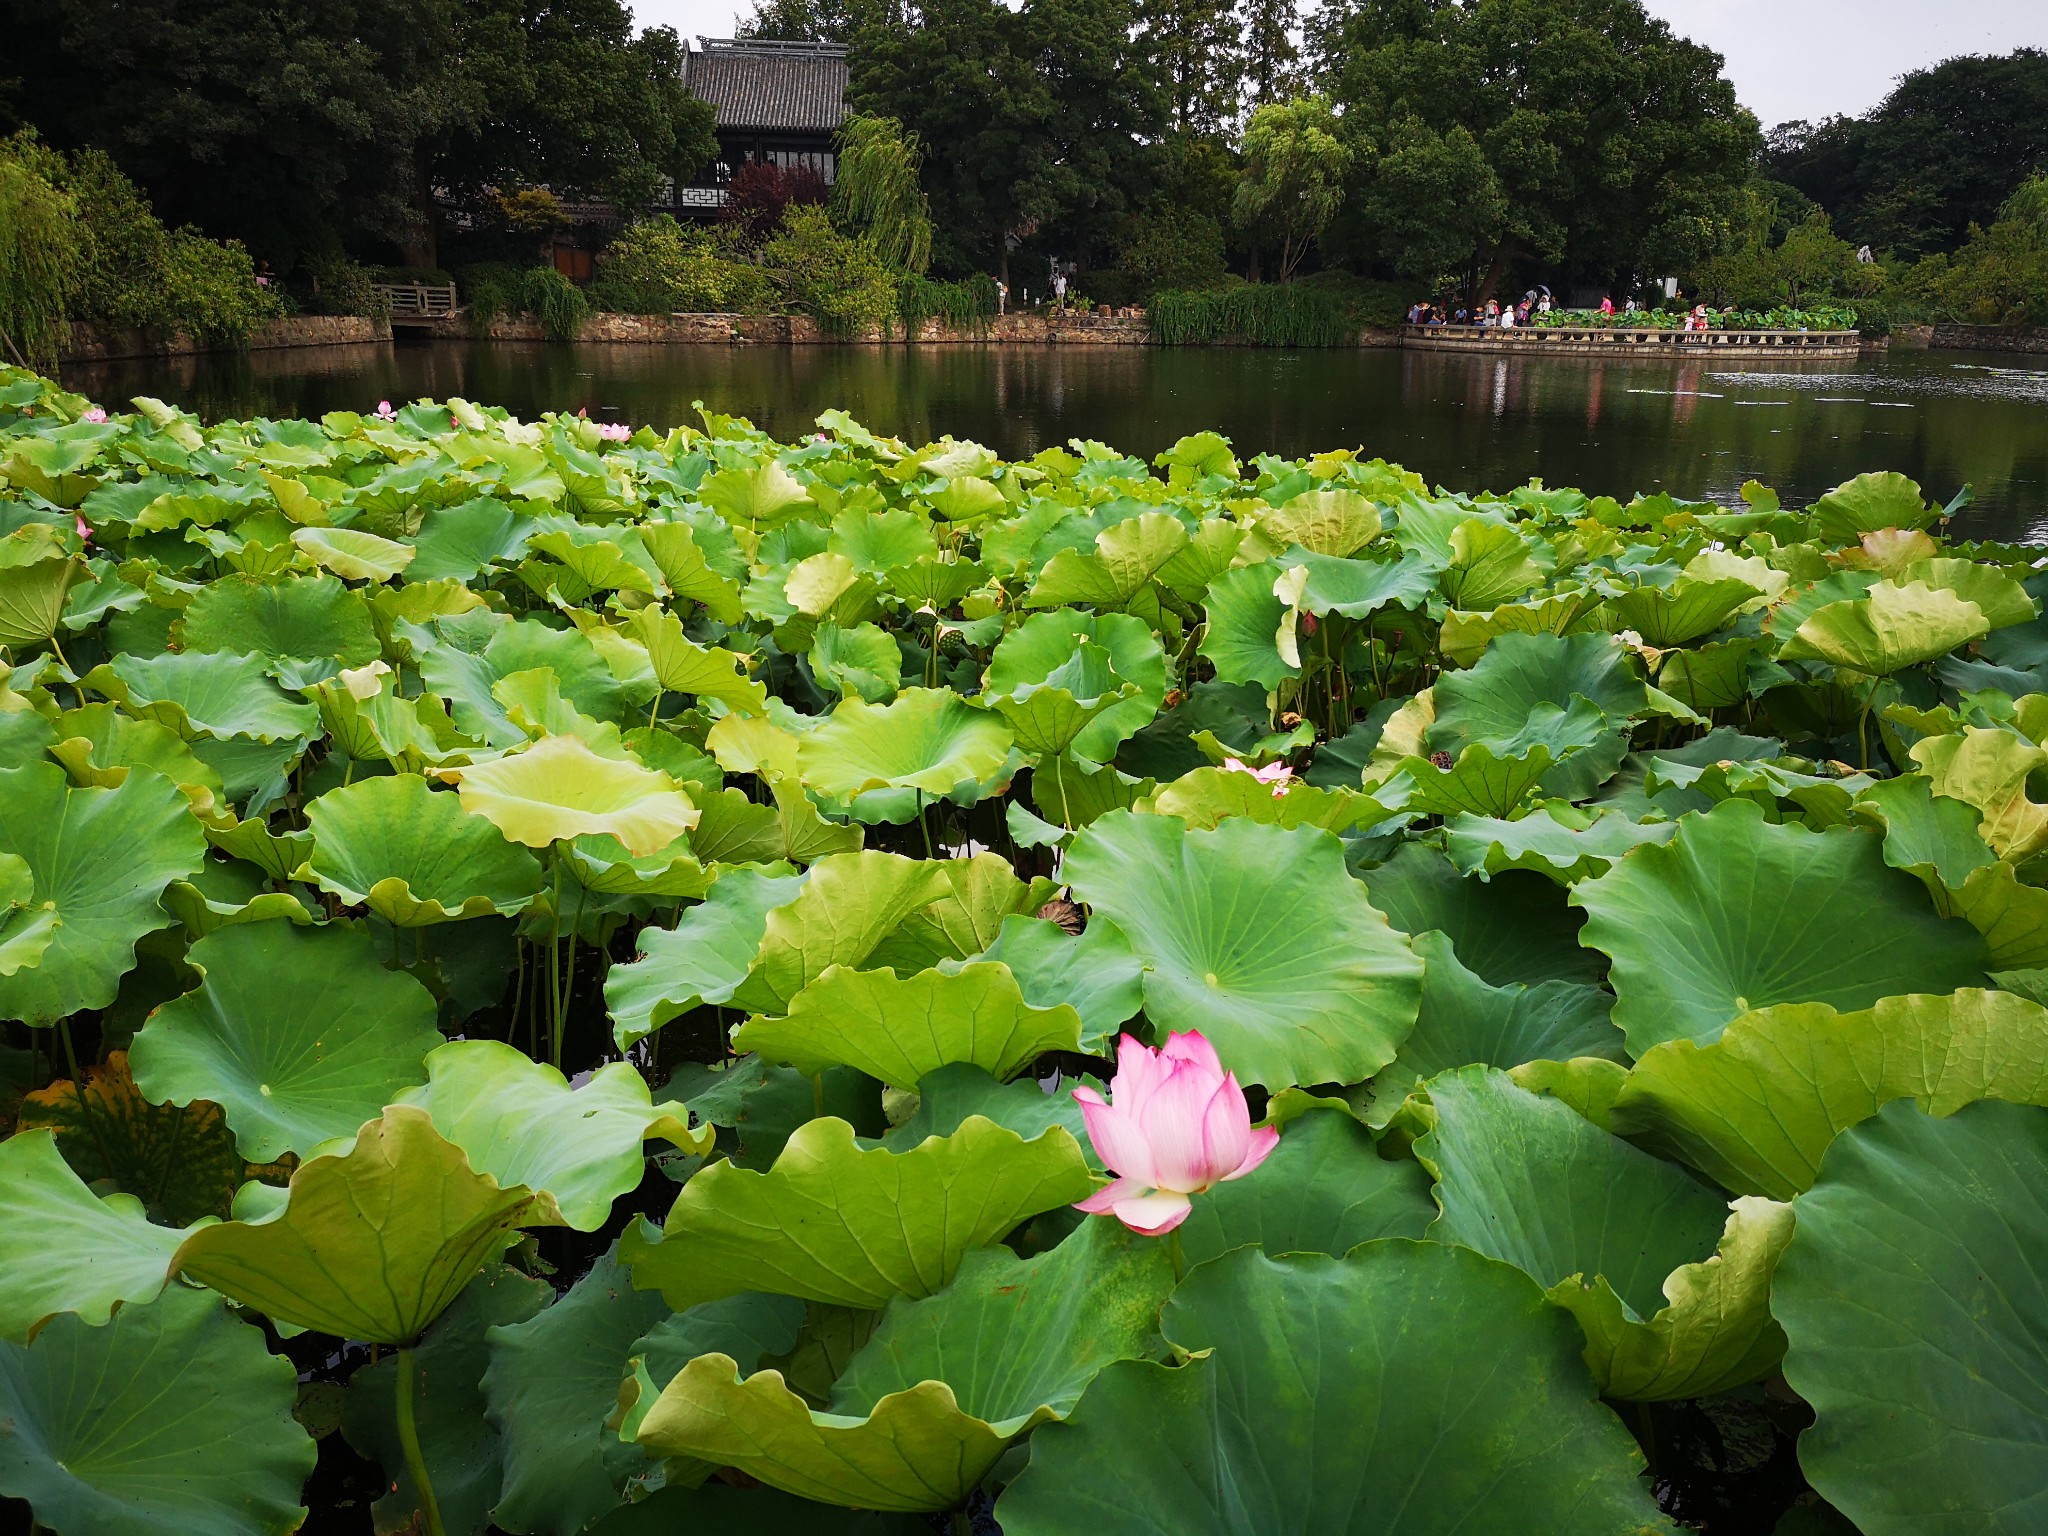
{"x":84,"y":528}
{"x":93,"y":414}
{"x":384,"y":410}
{"x":1176,"y":1125}
{"x":1279,"y":775}
{"x":614,"y":431}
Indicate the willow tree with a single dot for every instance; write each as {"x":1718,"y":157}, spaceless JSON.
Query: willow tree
{"x":876,"y":194}
{"x":38,"y":263}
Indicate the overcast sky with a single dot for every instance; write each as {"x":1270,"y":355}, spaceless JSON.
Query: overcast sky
{"x":1788,"y":58}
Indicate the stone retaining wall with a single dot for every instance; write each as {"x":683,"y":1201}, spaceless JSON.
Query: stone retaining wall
{"x":1988,"y":338}
{"x":801,"y":330}
{"x":91,"y":344}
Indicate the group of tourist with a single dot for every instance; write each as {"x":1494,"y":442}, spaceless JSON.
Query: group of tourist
{"x":1533,"y":304}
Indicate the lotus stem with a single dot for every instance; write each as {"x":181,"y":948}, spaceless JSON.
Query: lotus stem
{"x":654,"y":709}
{"x":409,"y":1440}
{"x":1173,"y":1251}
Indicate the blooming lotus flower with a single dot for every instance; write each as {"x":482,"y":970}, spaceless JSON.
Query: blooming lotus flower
{"x":384,"y":410}
{"x":1279,"y":775}
{"x":94,"y":414}
{"x":614,"y":431}
{"x":1176,"y":1124}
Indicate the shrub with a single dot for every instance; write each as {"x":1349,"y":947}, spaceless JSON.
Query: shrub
{"x":658,"y":267}
{"x":966,"y":306}
{"x":1260,"y":314}
{"x":38,"y":264}
{"x":487,"y":290}
{"x":344,"y":287}
{"x":836,"y":279}
{"x":1170,"y":248}
{"x":760,"y":193}
{"x":555,"y":302}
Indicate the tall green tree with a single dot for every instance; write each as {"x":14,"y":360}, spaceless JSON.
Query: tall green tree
{"x":1609,"y":145}
{"x":1293,"y":181}
{"x":876,"y":194}
{"x":1271,"y":57}
{"x":1192,"y":48}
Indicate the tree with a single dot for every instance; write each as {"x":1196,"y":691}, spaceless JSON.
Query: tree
{"x":1942,"y":152}
{"x":2000,"y":276}
{"x":1614,"y":147}
{"x":38,"y":264}
{"x":1429,"y":201}
{"x":1271,"y":56}
{"x":1293,"y":180}
{"x":1191,"y":47}
{"x":876,"y":194}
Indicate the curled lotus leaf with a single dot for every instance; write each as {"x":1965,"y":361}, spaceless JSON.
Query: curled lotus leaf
{"x":354,"y":555}
{"x":302,"y":618}
{"x":928,"y":739}
{"x":521,"y":1123}
{"x":1888,"y":629}
{"x":704,"y":958}
{"x":558,"y":789}
{"x":403,"y":1204}
{"x":1302,"y":1411}
{"x":215,"y":694}
{"x":1256,"y":936}
{"x":1914,"y":1304}
{"x":834,"y":1223}
{"x":298,"y":1033}
{"x":1042,"y":644}
{"x":1736,"y":913}
{"x":413,"y":856}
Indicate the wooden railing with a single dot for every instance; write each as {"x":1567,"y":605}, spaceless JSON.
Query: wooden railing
{"x":1582,"y":338}
{"x":416,"y":303}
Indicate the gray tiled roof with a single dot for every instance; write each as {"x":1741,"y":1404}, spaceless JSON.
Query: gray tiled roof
{"x":788,"y":86}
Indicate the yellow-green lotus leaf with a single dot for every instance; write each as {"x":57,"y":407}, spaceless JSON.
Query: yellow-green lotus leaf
{"x":558,"y":788}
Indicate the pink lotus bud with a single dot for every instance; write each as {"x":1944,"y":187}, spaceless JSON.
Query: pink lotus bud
{"x":614,"y":431}
{"x":93,"y":414}
{"x":84,"y":529}
{"x":384,"y":410}
{"x":1176,"y":1125}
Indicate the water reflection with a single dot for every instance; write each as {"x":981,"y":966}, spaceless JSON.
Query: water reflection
{"x":1614,"y":426}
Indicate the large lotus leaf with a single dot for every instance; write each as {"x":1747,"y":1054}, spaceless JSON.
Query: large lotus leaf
{"x":1465,"y":1021}
{"x":63,"y":1248}
{"x":1868,"y":503}
{"x":1682,"y":612}
{"x":1205,"y":797}
{"x":897,"y":1029}
{"x":682,"y":666}
{"x":354,"y":554}
{"x":1989,"y":769}
{"x":1465,"y":636}
{"x":558,"y":788}
{"x":831,"y":1222}
{"x":703,"y":958}
{"x":98,"y":859}
{"x":1245,"y":619}
{"x":1411,"y":1387}
{"x":761,"y":497}
{"x":33,"y":595}
{"x":965,"y":919}
{"x":1039,"y":646}
{"x":1480,"y":783}
{"x":929,"y":739}
{"x":1256,"y":936}
{"x":1127,"y":555}
{"x":215,"y":693}
{"x":1338,"y":522}
{"x":98,"y":744}
{"x":951,"y":1096}
{"x":1914,"y":1303}
{"x":1490,"y":564}
{"x":2003,"y":600}
{"x":1097,"y":974}
{"x":1495,"y":700}
{"x":298,"y":1033}
{"x":1757,"y":1109}
{"x":459,"y":542}
{"x":302,"y":618}
{"x":459,"y":1446}
{"x":1889,"y":628}
{"x":1736,"y":913}
{"x":941,"y":1387}
{"x":1323,"y":1189}
{"x":519,"y":1122}
{"x":1516,"y":927}
{"x":849,"y":905}
{"x":1566,"y":848}
{"x":403,"y":1205}
{"x":174,"y":1419}
{"x":1528,"y":1180}
{"x":415,"y":857}
{"x":674,"y":549}
{"x":864,"y":661}
{"x":1048,"y":718}
{"x":1356,"y":588}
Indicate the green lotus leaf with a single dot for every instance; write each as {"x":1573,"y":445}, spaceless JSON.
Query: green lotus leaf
{"x":591,"y":563}
{"x":949,"y":1097}
{"x":850,"y":904}
{"x":1601,"y":1225}
{"x":731,"y":829}
{"x":1913,"y":1301}
{"x":1516,"y":927}
{"x":1246,"y":619}
{"x":33,"y":597}
{"x":929,"y":739}
{"x":1465,"y":635}
{"x":299,"y":1034}
{"x":1546,"y":843}
{"x":942,"y":1386}
{"x":98,"y":745}
{"x":1408,"y":1386}
{"x":520,"y":1123}
{"x":1868,"y":504}
{"x":553,"y":1380}
{"x":1257,"y":937}
{"x":1206,"y":797}
{"x":459,"y":543}
{"x":28,"y":926}
{"x":458,"y":1445}
{"x":599,"y":864}
{"x":897,"y":1029}
{"x":1490,"y":564}
{"x":674,"y":549}
{"x":1336,"y":523}
{"x":1989,"y":769}
{"x":214,"y":693}
{"x":304,"y":618}
{"x":1464,"y":1021}
{"x":411,"y":734}
{"x":1888,"y":629}
{"x":1736,"y":913}
{"x":1044,"y":642}
{"x":558,"y":788}
{"x":833,"y":1223}
{"x":99,"y":859}
{"x":415,"y":857}
{"x":403,"y":1205}
{"x":64,"y":1249}
{"x":278,"y":854}
{"x":229,"y":895}
{"x":1323,"y":1189}
{"x":862,"y":662}
{"x":1682,"y":612}
{"x":876,"y":541}
{"x":981,"y":893}
{"x":1097,"y":975}
{"x":932,"y":583}
{"x":682,"y":666}
{"x":1495,"y":701}
{"x":761,"y":497}
{"x":2003,"y":600}
{"x":703,"y":958}
{"x":1710,"y":676}
{"x":1126,"y":556}
{"x":352,"y":554}
{"x":174,"y":1419}
{"x":1479,"y":783}
{"x":1049,"y":717}
{"x":1757,"y":1109}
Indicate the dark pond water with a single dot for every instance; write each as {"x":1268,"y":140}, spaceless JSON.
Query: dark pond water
{"x":1696,"y":429}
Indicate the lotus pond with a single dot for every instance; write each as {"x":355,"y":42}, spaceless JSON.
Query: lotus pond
{"x":563,"y":978}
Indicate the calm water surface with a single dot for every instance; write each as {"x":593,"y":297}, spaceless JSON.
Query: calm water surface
{"x":1696,"y":429}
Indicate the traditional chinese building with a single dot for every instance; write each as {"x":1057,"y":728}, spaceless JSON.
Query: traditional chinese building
{"x":779,"y":103}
